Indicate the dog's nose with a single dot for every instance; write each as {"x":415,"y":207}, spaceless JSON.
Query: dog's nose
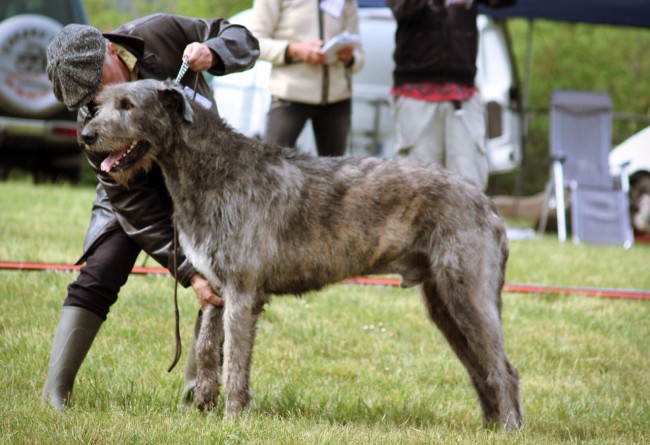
{"x":89,"y":136}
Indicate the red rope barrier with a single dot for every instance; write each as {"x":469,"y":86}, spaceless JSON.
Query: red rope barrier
{"x":634,"y":294}
{"x":530,"y":288}
{"x":72,"y":268}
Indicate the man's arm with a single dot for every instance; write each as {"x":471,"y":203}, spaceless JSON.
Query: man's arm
{"x":234,"y":47}
{"x":167,"y":36}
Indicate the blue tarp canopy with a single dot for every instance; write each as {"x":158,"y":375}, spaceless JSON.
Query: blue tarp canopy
{"x":634,"y":13}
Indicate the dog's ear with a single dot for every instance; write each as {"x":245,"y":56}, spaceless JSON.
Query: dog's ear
{"x":173,"y":98}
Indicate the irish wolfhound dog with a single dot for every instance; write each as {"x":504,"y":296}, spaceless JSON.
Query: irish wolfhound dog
{"x":258,"y":219}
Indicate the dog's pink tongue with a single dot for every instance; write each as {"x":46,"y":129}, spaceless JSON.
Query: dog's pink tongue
{"x":109,"y":162}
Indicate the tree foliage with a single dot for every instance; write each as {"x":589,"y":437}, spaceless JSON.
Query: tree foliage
{"x":584,"y":57}
{"x":109,"y":14}
{"x":594,"y":57}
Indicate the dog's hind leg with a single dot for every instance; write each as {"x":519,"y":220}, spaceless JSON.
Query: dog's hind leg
{"x":208,"y":358}
{"x":472,"y":326}
{"x":240,"y":319}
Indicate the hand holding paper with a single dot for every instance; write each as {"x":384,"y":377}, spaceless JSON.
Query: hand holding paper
{"x":332,"y":46}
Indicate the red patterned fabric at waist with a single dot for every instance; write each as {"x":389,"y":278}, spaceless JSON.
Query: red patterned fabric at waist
{"x":435,"y":91}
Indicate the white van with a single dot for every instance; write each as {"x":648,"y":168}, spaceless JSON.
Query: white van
{"x":243,"y":98}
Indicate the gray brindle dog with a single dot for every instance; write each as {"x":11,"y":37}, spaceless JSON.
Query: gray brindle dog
{"x":257,"y":219}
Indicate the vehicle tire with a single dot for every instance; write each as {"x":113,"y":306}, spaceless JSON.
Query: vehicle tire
{"x":25,"y":90}
{"x":640,"y":202}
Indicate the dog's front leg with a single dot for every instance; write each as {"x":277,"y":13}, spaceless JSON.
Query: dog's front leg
{"x":240,"y":319}
{"x":208,"y":358}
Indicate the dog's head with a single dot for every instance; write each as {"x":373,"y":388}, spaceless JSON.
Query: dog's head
{"x":132,"y":125}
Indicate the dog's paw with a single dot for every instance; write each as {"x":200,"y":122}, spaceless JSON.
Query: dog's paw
{"x":205,"y":398}
{"x":235,"y":405}
{"x":204,"y":406}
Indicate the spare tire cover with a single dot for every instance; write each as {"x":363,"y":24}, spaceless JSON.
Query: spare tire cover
{"x":25,"y":89}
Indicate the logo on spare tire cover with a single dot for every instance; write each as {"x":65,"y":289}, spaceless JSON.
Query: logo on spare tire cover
{"x":25,"y":89}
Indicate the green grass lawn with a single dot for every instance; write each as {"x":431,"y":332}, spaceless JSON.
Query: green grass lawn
{"x":349,"y":365}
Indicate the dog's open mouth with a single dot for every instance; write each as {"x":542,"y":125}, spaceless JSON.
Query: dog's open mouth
{"x":123,"y":159}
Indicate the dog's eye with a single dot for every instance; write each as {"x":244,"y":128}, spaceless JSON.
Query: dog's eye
{"x":92,"y":109}
{"x":126,"y":104}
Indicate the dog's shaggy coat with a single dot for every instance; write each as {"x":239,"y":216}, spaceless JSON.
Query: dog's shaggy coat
{"x":258,"y":219}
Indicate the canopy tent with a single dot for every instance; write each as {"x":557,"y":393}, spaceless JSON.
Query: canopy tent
{"x":634,"y":13}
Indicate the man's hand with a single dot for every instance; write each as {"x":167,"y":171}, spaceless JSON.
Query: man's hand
{"x":204,"y":292}
{"x":199,"y":57}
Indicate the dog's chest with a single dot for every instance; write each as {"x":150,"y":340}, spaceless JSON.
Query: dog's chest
{"x":198,"y":255}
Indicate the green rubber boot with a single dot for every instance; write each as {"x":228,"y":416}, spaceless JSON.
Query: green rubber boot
{"x":74,"y":334}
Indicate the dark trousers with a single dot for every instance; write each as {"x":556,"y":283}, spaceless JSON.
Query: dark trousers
{"x":331,"y":124}
{"x":107,"y":268}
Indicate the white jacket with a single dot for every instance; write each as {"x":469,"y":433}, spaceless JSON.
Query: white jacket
{"x":276,"y":23}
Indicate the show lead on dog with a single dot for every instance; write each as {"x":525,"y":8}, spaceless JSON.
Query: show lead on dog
{"x":80,"y":62}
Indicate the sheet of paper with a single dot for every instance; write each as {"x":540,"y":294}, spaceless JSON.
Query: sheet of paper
{"x":332,"y":46}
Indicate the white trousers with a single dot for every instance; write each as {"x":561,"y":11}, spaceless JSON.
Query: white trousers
{"x":438,"y":132}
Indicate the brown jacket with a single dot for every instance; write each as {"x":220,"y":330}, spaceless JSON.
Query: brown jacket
{"x":144,"y":209}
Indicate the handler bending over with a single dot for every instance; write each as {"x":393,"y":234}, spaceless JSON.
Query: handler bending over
{"x":124,"y":221}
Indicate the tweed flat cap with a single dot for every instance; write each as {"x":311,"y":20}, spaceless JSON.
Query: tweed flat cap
{"x":75,"y":59}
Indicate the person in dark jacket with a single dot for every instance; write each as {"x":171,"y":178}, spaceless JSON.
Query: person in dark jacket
{"x":125,"y":221}
{"x":439,"y":115}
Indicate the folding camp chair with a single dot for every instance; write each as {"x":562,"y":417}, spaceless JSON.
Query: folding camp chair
{"x":580,"y":141}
